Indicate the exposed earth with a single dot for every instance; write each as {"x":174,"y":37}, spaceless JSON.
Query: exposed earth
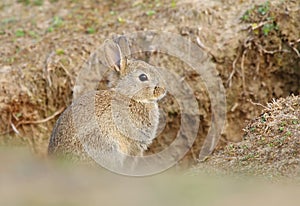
{"x":255,"y":47}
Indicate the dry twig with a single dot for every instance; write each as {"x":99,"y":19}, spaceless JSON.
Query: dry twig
{"x":243,"y":70}
{"x":42,"y":120}
{"x":205,"y":48}
{"x":257,"y":104}
{"x":46,"y":69}
{"x":14,"y":127}
{"x":229,"y":80}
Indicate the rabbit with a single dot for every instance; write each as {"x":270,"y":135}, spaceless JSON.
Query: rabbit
{"x":108,"y":125}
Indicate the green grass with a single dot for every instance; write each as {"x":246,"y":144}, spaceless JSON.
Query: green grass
{"x":60,"y":52}
{"x":29,"y":2}
{"x":91,"y":30}
{"x":56,"y":22}
{"x":263,"y":9}
{"x":150,"y":13}
{"x":20,"y":33}
{"x":267,"y":28}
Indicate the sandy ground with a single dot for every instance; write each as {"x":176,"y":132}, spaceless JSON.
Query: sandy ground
{"x":26,"y":180}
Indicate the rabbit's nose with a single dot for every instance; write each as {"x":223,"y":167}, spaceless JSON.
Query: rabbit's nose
{"x":159,"y":92}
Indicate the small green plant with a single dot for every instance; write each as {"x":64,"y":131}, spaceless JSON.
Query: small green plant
{"x":25,"y":2}
{"x":9,"y":20}
{"x":29,"y":2}
{"x":18,"y":115}
{"x":288,"y":133}
{"x":264,"y":8}
{"x":150,"y":13}
{"x":10,"y":60}
{"x":283,"y":123}
{"x":56,"y":22}
{"x":260,"y":10}
{"x":38,"y":2}
{"x":231,"y":147}
{"x":60,"y":52}
{"x":267,"y":28}
{"x":246,"y":15}
{"x":247,"y":157}
{"x":245,"y":147}
{"x":121,"y":20}
{"x":20,"y":33}
{"x":33,"y":34}
{"x":281,"y":129}
{"x":50,"y":29}
{"x":252,"y":129}
{"x":64,"y":61}
{"x":263,"y":119}
{"x":91,"y":30}
{"x":173,"y":4}
{"x":262,"y":140}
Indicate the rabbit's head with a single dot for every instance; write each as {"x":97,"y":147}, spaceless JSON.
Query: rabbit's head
{"x":137,"y":79}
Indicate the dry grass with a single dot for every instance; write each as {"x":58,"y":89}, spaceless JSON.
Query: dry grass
{"x":271,"y":145}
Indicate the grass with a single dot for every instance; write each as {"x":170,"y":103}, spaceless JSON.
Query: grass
{"x":269,"y":27}
{"x":29,"y":2}
{"x":60,"y":52}
{"x":91,"y":30}
{"x":264,"y":8}
{"x":121,"y":20}
{"x":56,"y":22}
{"x":173,"y":4}
{"x":150,"y":13}
{"x":269,"y":150}
{"x":20,"y":33}
{"x":258,"y":15}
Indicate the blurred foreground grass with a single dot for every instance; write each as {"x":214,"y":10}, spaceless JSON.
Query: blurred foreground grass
{"x":25,"y":180}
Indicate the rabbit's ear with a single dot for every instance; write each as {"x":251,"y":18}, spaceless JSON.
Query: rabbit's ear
{"x":124,"y":45}
{"x":114,"y":57}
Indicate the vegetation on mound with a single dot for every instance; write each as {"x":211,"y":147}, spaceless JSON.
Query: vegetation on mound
{"x":271,"y":145}
{"x":265,"y":65}
{"x":274,"y":35}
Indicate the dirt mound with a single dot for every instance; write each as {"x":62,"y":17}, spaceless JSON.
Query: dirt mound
{"x":271,"y":145}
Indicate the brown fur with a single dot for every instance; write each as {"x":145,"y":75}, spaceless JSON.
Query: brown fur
{"x":114,"y":122}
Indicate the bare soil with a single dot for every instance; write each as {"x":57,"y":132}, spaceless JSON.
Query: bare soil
{"x":255,"y":46}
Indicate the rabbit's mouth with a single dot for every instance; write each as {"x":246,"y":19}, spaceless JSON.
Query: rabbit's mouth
{"x":148,"y":95}
{"x":159,"y":93}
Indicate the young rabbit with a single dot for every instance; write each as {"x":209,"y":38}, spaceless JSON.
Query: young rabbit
{"x":109,"y":125}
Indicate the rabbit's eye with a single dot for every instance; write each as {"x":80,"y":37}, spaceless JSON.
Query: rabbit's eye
{"x":143,"y":77}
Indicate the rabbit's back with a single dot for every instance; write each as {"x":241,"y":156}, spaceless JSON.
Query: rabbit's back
{"x":68,"y":133}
